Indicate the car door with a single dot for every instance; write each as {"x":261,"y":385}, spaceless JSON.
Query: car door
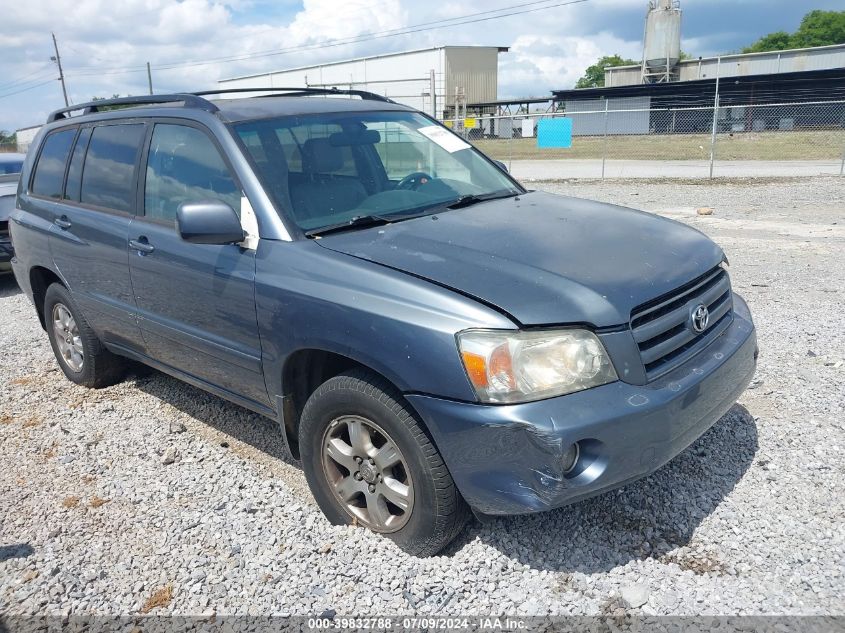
{"x":196,"y":302}
{"x":90,"y":202}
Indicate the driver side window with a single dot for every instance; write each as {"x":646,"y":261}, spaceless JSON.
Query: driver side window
{"x":185,"y":166}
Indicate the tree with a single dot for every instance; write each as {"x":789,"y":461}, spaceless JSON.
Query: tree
{"x":7,"y":138}
{"x":107,"y":108}
{"x":818,"y":28}
{"x":594,"y":75}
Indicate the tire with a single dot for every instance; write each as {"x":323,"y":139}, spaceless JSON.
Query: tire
{"x":436,"y":511}
{"x":81,"y":356}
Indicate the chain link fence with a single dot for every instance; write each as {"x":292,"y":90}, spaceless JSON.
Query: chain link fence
{"x":774,"y":139}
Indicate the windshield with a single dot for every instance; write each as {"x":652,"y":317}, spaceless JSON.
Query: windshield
{"x":329,"y":169}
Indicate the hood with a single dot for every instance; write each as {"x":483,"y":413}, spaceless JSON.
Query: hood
{"x":541,"y":258}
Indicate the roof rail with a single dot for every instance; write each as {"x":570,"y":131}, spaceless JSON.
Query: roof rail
{"x":299,"y":92}
{"x":189,"y":101}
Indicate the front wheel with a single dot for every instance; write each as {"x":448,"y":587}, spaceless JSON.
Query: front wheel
{"x":369,"y":462}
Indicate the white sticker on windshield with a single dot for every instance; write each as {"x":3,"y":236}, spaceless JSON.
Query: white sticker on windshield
{"x":444,"y":138}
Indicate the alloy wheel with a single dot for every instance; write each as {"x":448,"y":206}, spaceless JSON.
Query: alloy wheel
{"x":67,"y":337}
{"x":367,"y":473}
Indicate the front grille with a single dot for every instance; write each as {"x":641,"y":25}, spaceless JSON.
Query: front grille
{"x":662,"y":327}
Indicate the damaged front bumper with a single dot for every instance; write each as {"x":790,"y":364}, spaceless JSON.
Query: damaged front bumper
{"x":509,"y":459}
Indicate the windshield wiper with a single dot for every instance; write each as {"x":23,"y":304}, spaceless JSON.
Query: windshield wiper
{"x":471,"y":199}
{"x":356,"y":222}
{"x":361,"y":221}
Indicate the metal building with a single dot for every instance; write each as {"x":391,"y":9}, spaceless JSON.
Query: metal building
{"x":739,"y":65}
{"x":25,"y":136}
{"x":431,"y":79}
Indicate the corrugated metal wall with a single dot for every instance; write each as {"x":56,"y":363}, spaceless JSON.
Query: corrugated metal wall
{"x":476,"y":70}
{"x":591,"y":120}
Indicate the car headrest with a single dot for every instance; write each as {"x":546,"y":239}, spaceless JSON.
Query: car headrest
{"x":320,"y":157}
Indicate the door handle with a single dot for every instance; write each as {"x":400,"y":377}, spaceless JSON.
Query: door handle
{"x":141,"y":245}
{"x":62,"y":222}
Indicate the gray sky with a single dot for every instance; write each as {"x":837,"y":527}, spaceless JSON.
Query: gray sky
{"x":105,"y":43}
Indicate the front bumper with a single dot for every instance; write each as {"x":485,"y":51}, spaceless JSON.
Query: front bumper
{"x":507,"y":459}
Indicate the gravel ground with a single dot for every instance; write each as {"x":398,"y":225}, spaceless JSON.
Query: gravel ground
{"x":749,"y":520}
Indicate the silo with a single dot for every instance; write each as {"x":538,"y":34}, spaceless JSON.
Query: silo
{"x":662,"y":41}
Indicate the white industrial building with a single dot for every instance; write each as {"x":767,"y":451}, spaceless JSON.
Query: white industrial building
{"x":739,"y":65}
{"x":410,"y":77}
{"x":25,"y":136}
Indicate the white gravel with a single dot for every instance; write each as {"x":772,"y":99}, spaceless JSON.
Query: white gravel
{"x":107,"y":498}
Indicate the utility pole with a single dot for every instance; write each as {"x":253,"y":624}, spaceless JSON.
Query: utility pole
{"x":715,"y":117}
{"x":58,"y":61}
{"x":150,"y":77}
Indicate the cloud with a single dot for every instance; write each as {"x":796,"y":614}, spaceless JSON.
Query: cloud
{"x":105,"y":44}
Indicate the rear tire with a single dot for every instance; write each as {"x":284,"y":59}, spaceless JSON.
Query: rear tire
{"x":80,"y":354}
{"x":405,"y":492}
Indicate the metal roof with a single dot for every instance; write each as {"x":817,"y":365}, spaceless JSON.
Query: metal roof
{"x":507,"y":102}
{"x":733,"y":56}
{"x":814,"y":85}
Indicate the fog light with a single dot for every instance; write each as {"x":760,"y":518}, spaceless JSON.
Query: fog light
{"x":570,"y":458}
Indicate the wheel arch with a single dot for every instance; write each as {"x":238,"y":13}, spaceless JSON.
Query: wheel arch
{"x":304,"y":370}
{"x":41,"y":278}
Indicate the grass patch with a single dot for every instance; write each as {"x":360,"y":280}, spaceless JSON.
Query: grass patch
{"x":97,"y":502}
{"x":697,"y":564}
{"x":161,"y":597}
{"x":31,"y":422}
{"x":800,"y":145}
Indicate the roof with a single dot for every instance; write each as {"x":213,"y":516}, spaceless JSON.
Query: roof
{"x":499,"y":49}
{"x":231,"y":110}
{"x":812,"y":85}
{"x":265,"y":107}
{"x":732,"y":56}
{"x":507,"y":102}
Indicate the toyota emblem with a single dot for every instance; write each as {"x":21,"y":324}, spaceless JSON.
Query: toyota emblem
{"x":700,"y":318}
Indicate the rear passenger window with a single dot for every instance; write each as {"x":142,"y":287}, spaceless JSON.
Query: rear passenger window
{"x":107,"y":177}
{"x":74,"y":172}
{"x":185,"y":166}
{"x":50,"y":170}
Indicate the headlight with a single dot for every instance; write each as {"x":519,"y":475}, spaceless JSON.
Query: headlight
{"x":521,"y":366}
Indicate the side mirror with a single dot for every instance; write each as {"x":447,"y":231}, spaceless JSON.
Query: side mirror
{"x":208,"y":222}
{"x":501,"y":165}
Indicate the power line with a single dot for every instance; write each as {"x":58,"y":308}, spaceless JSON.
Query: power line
{"x":43,"y":83}
{"x":471,"y":18}
{"x":23,"y":79}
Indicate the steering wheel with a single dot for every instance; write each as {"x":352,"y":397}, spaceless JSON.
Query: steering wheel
{"x":414,"y":180}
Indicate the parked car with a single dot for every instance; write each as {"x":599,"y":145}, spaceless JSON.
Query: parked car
{"x":10,"y":171}
{"x":431,"y":336}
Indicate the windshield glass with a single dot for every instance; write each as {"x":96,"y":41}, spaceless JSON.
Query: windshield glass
{"x":334,"y":168}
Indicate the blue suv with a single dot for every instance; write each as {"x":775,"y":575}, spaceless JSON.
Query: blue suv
{"x":432,"y":337}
